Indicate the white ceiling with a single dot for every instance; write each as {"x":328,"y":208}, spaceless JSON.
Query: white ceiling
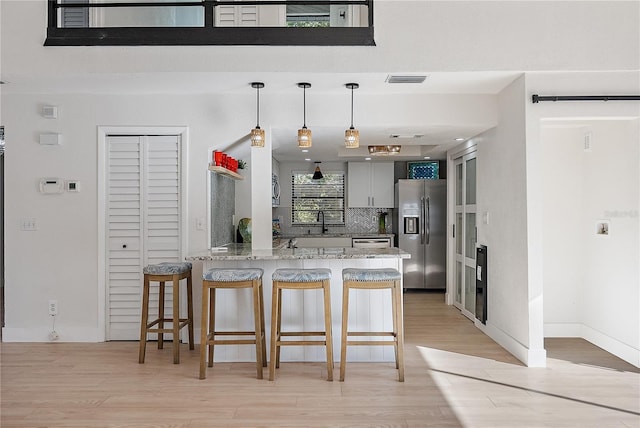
{"x":328,"y":142}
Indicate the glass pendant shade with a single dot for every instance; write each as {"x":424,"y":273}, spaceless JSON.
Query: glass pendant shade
{"x":352,"y":135}
{"x":257,"y":134}
{"x":352,"y":138}
{"x":257,"y":137}
{"x":304,"y":137}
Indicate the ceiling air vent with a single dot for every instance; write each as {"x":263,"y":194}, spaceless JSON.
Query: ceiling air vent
{"x":397,"y":78}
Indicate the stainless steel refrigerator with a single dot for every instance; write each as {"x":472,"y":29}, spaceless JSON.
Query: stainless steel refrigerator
{"x":420,"y":225}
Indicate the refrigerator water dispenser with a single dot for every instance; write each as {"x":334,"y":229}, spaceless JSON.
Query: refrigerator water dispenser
{"x":411,"y":225}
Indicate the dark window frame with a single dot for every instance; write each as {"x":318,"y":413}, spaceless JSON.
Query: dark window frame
{"x":330,"y":198}
{"x":208,"y":34}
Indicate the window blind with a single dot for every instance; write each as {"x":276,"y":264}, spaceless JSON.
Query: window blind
{"x":309,"y":196}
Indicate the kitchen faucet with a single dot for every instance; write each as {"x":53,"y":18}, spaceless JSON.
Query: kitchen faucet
{"x":324,"y":229}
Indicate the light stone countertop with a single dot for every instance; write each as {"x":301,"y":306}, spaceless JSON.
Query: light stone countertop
{"x":245,"y":252}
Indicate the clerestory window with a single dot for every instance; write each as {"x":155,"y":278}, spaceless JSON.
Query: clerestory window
{"x":210,"y":22}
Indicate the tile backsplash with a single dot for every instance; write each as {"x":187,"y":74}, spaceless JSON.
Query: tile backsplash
{"x":357,"y":220}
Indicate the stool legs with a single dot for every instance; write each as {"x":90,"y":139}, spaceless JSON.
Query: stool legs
{"x":275,"y":331}
{"x":327,"y":329}
{"x":398,"y":328}
{"x":208,"y":325}
{"x":276,"y":325}
{"x":259,"y":328}
{"x":176,"y":322}
{"x":203,"y":334}
{"x":144,"y":320}
{"x":343,"y":341}
{"x":161,"y":292}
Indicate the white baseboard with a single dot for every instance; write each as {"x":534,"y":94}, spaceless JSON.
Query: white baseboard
{"x":562,"y":329}
{"x":41,"y":334}
{"x":613,"y":346}
{"x":530,"y":357}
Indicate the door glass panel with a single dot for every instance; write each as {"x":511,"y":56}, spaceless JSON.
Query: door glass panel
{"x":459,"y":233}
{"x":470,"y":235}
{"x":470,"y":290}
{"x":470,"y":181}
{"x":458,"y":282}
{"x":459,"y":184}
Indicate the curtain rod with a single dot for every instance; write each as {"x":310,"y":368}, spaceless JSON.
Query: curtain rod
{"x":537,"y":98}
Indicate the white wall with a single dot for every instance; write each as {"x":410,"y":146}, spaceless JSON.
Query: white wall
{"x":64,"y":248}
{"x":610,"y":324}
{"x":410,"y":36}
{"x":502,"y":194}
{"x":591,"y":281}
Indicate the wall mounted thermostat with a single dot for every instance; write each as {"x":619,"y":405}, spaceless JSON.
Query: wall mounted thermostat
{"x":50,"y":112}
{"x":51,"y":185}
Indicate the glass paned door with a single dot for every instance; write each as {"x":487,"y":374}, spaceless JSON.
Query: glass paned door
{"x":465,"y":234}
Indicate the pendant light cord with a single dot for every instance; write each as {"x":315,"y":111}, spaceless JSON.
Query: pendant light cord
{"x":351,"y":107}
{"x":258,"y":108}
{"x":304,"y":106}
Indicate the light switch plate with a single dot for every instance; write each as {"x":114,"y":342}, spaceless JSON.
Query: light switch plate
{"x":28,"y":224}
{"x":72,"y":185}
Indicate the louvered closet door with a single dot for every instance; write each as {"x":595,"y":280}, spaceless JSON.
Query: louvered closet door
{"x":143,"y":212}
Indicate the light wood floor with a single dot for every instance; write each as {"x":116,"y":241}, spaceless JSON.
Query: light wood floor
{"x":455,"y":377}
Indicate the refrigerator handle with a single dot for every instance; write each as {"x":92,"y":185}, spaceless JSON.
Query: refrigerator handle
{"x":428,"y":223}
{"x":422,"y":220}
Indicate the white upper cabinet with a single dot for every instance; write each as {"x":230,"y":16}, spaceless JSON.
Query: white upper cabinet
{"x":370,"y":185}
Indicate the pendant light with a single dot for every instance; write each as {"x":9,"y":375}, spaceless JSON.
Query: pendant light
{"x":352,"y":135}
{"x":317,"y":174}
{"x":257,"y":134}
{"x":304,"y":134}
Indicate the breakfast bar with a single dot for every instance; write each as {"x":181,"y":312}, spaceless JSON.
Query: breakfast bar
{"x":369,"y":310}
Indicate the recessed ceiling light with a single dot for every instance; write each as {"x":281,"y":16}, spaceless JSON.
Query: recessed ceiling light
{"x":367,"y":158}
{"x":308,"y":160}
{"x":459,"y":139}
{"x":427,"y":157}
{"x":305,"y":151}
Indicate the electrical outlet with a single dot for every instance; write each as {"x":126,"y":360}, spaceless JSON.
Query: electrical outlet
{"x":200,"y":223}
{"x":53,"y":307}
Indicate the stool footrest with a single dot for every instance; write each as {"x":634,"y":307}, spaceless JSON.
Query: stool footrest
{"x":232,"y":342}
{"x":302,"y":333}
{"x":301,"y":342}
{"x":371,"y":333}
{"x":370,"y":342}
{"x":233,"y":333}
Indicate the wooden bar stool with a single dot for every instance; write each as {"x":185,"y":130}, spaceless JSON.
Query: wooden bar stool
{"x":299,"y":279}
{"x":231,"y":278}
{"x":373,"y":279}
{"x":161,"y":273}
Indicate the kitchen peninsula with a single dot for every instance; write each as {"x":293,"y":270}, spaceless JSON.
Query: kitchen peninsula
{"x":369,"y":310}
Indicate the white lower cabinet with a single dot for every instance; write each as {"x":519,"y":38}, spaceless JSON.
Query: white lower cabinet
{"x":370,"y":185}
